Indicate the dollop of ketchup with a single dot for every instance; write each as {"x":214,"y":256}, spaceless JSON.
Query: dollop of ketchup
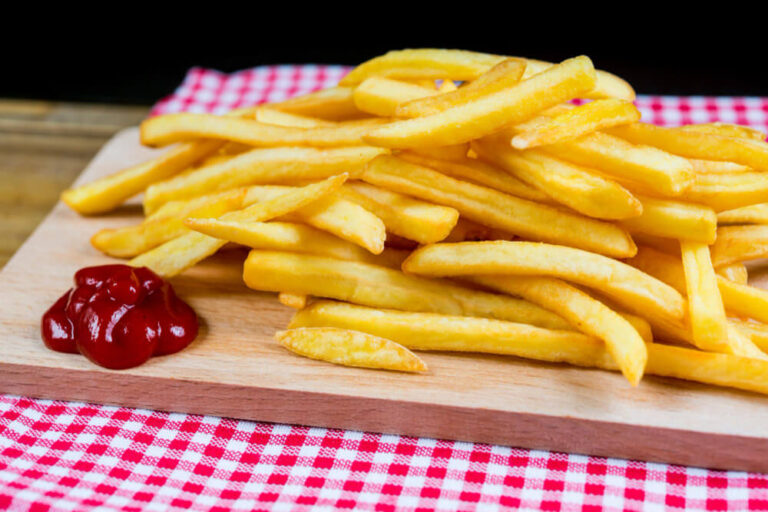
{"x":118,"y":317}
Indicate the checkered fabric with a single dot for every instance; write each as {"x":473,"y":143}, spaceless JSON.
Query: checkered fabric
{"x":73,"y":456}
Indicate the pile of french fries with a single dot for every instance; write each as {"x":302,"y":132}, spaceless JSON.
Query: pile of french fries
{"x":401,"y":211}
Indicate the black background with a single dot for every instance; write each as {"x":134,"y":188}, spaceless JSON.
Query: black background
{"x":139,"y":65}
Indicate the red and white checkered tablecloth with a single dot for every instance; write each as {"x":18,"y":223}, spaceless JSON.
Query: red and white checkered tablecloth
{"x":73,"y":456}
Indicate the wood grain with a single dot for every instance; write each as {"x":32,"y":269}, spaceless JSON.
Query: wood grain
{"x":44,"y":145}
{"x":235,"y":369}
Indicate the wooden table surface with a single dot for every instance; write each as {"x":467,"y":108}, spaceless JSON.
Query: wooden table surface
{"x":43,"y":146}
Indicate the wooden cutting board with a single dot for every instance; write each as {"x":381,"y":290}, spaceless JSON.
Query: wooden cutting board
{"x":235,"y":369}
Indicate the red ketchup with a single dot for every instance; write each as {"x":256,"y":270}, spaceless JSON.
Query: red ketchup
{"x":118,"y":317}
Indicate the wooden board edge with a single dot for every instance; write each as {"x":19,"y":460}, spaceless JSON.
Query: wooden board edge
{"x":527,"y":430}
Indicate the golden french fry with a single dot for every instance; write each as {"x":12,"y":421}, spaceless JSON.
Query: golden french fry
{"x":715,"y":167}
{"x":723,"y":192}
{"x":477,"y":171}
{"x":588,"y":315}
{"x":292,"y":300}
{"x":278,"y":117}
{"x":727,"y":130}
{"x":453,"y":152}
{"x":577,"y":122}
{"x":171,"y":128}
{"x":495,"y":209}
{"x":696,"y":144}
{"x":334,"y":214}
{"x":350,"y":348}
{"x":381,"y":96}
{"x":752,"y":214}
{"x":427,"y":331}
{"x":501,"y":76}
{"x":133,"y":240}
{"x":179,"y":254}
{"x":402,"y":215}
{"x":725,"y":370}
{"x":430,"y":331}
{"x":744,"y":300}
{"x":286,"y":236}
{"x":665,"y":245}
{"x":674,"y":219}
{"x":650,"y":168}
{"x":636,"y":290}
{"x":447,"y":86}
{"x":420,"y":64}
{"x":427,"y":63}
{"x":109,"y":192}
{"x":270,"y":165}
{"x":377,"y":286}
{"x":735,"y":272}
{"x":756,"y":331}
{"x":736,"y":244}
{"x":708,"y":320}
{"x":566,"y":183}
{"x":489,"y":113}
{"x":737,"y":298}
{"x":334,"y":104}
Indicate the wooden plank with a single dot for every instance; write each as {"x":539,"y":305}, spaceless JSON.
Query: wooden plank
{"x":43,"y":147}
{"x":235,"y":369}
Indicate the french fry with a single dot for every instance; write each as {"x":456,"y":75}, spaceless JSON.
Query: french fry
{"x":420,"y":64}
{"x":736,"y":244}
{"x":287,"y":236}
{"x":715,"y":167}
{"x":752,"y":214}
{"x":479,"y":172}
{"x":271,"y":165}
{"x":725,"y":370}
{"x":427,"y":63}
{"x":665,"y":245}
{"x":696,"y":144}
{"x":278,"y":117}
{"x":566,"y":183}
{"x":636,"y":290}
{"x":501,"y":76}
{"x":727,"y":130}
{"x":333,"y":104}
{"x":452,"y":152}
{"x":650,"y":168}
{"x":744,"y":300}
{"x":708,"y":320}
{"x":377,"y":286}
{"x":735,"y":272}
{"x":171,"y":128}
{"x":495,"y":209}
{"x":381,"y":96}
{"x":179,"y":254}
{"x":293,"y":300}
{"x":489,"y":113}
{"x":437,"y":332}
{"x":577,"y":122}
{"x":334,"y":214}
{"x":588,"y":315}
{"x":447,"y":86}
{"x":737,"y":298}
{"x":350,"y":348}
{"x":109,"y":192}
{"x":133,"y":240}
{"x":403,"y":215}
{"x":756,"y":331}
{"x":723,"y":192}
{"x":674,"y":219}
